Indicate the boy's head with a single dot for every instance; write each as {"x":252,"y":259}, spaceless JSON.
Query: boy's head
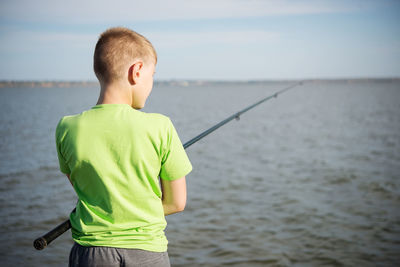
{"x":116,"y":49}
{"x":122,"y":55}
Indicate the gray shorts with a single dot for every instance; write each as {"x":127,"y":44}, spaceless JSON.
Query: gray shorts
{"x":108,"y":256}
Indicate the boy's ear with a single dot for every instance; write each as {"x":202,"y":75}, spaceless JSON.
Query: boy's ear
{"x":134,"y":72}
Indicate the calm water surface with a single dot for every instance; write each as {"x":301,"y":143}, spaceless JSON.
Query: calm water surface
{"x":308,"y":179}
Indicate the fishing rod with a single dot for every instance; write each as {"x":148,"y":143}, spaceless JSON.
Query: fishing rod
{"x":42,"y":242}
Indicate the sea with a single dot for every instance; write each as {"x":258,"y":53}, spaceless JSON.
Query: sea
{"x":310,"y":178}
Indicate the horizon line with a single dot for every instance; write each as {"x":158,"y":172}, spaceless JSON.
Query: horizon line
{"x":186,"y":83}
{"x":208,"y":80}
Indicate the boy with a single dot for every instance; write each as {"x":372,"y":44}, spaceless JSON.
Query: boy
{"x":113,"y":155}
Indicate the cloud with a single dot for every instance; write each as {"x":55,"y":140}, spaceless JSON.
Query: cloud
{"x":124,"y":11}
{"x":185,"y":39}
{"x":25,"y":41}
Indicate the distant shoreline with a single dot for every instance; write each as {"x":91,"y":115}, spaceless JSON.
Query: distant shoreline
{"x":184,"y":83}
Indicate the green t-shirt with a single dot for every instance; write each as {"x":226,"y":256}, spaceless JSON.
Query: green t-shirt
{"x":114,"y":155}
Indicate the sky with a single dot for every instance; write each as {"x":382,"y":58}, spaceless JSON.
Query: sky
{"x":207,"y":39}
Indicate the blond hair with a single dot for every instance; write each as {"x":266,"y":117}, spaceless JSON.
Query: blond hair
{"x":116,"y":49}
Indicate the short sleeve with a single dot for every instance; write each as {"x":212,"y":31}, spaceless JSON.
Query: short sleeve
{"x":62,"y":162}
{"x":175,"y":163}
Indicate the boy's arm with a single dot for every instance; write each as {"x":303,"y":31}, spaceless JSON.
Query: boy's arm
{"x":173,"y":195}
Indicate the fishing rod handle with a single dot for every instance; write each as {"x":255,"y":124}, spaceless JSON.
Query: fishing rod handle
{"x":42,"y":242}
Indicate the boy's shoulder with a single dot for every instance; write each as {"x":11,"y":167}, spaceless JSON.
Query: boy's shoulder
{"x":157,"y":117}
{"x":151,"y":118}
{"x":68,"y":119}
{"x":157,"y":121}
{"x":64,"y":125}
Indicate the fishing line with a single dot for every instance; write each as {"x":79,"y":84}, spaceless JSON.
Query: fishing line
{"x":41,"y":242}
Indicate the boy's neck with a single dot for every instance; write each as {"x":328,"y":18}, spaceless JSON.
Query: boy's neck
{"x":114,"y":94}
